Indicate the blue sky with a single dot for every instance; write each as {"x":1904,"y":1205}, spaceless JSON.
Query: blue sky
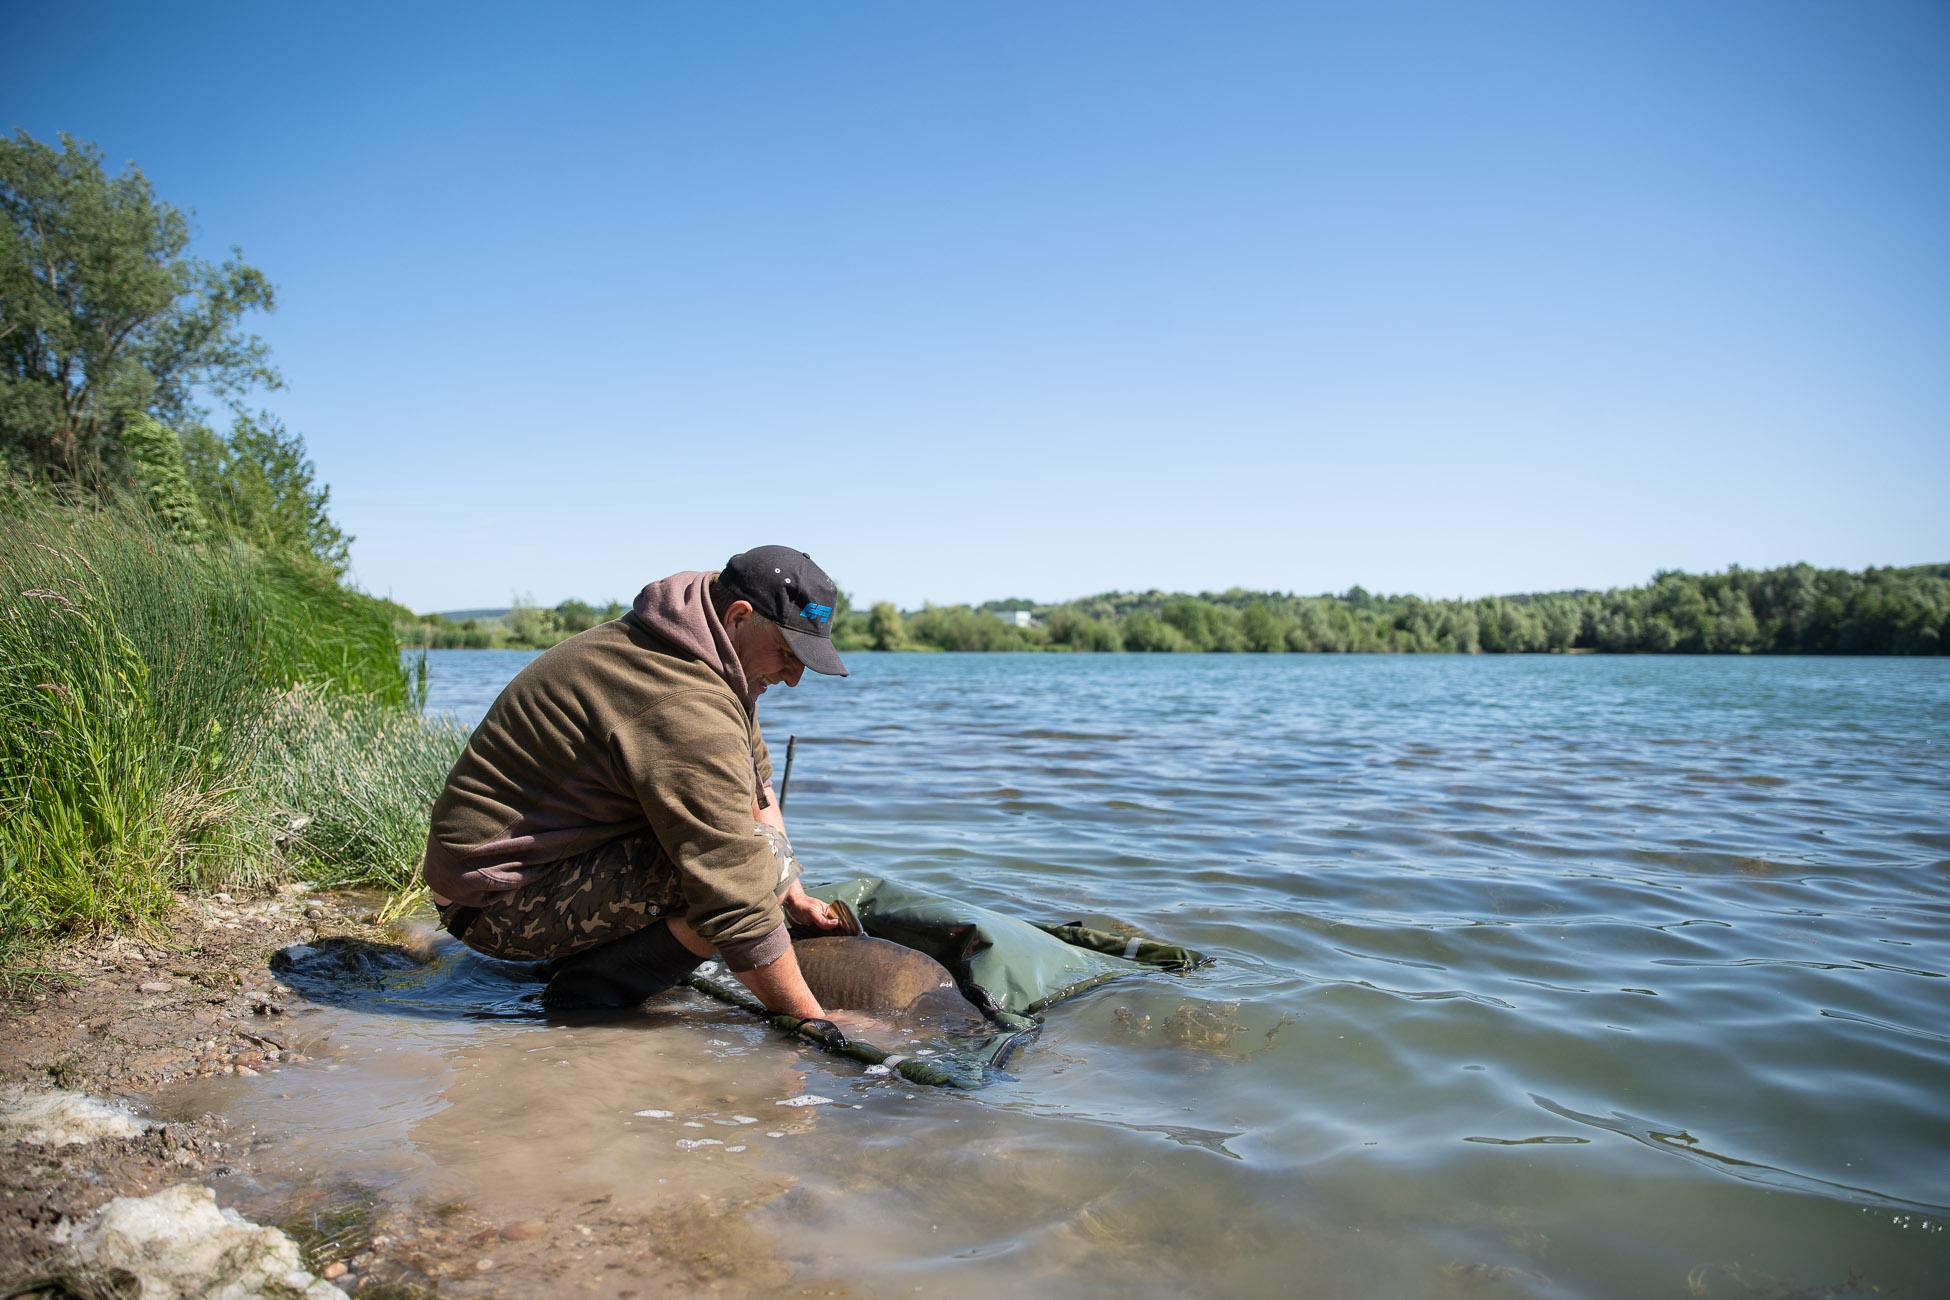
{"x":1043,"y":300}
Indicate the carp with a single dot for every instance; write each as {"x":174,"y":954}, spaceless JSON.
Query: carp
{"x":857,"y":973}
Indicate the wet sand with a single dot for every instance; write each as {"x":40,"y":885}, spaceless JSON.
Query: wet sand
{"x":188,"y":1021}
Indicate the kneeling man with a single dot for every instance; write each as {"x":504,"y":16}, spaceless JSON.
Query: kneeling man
{"x":613,"y":814}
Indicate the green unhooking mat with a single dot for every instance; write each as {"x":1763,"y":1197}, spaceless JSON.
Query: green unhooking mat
{"x":1008,"y":969}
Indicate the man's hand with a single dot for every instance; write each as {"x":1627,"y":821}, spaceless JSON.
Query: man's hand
{"x":860,"y":1023}
{"x":803,"y":909}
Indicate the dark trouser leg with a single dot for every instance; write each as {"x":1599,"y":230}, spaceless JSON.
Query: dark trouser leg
{"x":620,"y":973}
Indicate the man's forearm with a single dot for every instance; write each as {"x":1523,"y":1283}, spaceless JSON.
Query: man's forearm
{"x":778,"y":984}
{"x":782,"y":988}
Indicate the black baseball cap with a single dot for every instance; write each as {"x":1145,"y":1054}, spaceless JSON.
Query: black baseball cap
{"x":786,"y":587}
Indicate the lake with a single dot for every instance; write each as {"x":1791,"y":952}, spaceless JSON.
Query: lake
{"x":1573,"y":975}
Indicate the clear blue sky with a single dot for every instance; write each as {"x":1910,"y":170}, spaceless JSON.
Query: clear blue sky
{"x":974,"y":301}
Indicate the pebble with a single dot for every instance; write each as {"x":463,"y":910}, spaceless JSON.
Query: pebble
{"x":526,"y":1230}
{"x":318,"y":914}
{"x":483,"y":1265}
{"x":155,"y":986}
{"x":247,"y":1072}
{"x":655,"y":1114}
{"x":333,"y":1271}
{"x":808,"y":1100}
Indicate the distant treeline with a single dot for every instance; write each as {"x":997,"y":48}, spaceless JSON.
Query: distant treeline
{"x":525,"y":627}
{"x":1793,"y":610}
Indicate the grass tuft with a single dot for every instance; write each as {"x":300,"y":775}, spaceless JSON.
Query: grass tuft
{"x":177,"y":715}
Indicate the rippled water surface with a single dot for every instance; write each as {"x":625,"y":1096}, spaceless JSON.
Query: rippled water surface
{"x":1539,"y":976}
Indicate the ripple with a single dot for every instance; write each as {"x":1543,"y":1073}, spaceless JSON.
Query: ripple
{"x":1675,"y":1140}
{"x":1649,"y":881}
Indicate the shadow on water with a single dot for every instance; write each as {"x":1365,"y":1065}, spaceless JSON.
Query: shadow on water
{"x":423,"y":975}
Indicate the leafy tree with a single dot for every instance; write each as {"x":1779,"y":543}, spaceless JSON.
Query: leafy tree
{"x":1143,"y":631}
{"x":885,"y":628}
{"x":259,"y":485}
{"x":103,"y":315}
{"x":1262,"y":631}
{"x":155,"y":455}
{"x":529,"y":627}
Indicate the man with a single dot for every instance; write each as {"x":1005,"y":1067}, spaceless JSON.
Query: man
{"x":613,"y":814}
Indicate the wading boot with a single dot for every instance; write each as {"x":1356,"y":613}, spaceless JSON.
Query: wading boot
{"x":621,"y":973}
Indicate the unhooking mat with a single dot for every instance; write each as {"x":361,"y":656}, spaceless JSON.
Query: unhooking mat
{"x":1010,"y":970}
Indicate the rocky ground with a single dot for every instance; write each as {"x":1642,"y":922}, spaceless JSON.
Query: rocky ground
{"x":128,"y":1019}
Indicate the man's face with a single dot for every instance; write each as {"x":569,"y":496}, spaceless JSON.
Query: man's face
{"x":762,"y":651}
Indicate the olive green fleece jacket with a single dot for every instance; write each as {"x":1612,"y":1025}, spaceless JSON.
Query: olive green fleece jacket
{"x":637,"y":723}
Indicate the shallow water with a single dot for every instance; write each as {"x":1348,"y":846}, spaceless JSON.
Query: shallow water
{"x":1536,"y":976}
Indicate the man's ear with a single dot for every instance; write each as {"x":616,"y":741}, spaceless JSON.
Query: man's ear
{"x":735,"y":616}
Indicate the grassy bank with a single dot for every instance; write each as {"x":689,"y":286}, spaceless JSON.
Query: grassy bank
{"x":177,"y":714}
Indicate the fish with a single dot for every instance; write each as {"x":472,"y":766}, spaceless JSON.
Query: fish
{"x":857,"y":973}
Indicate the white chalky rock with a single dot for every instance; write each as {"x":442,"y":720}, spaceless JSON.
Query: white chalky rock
{"x":655,"y":1114}
{"x":57,"y":1119}
{"x":807,"y":1100}
{"x":182,"y":1247}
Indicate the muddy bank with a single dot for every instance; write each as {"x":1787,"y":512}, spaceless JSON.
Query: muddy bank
{"x":145,"y":1020}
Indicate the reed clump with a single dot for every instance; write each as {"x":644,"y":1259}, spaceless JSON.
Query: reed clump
{"x":177,"y":714}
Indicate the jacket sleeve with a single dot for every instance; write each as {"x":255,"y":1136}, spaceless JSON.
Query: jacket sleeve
{"x":761,"y":765}
{"x":689,"y":757}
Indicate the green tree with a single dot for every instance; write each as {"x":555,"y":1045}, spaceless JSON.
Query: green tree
{"x":102,"y":314}
{"x":1145,"y":633}
{"x":885,"y":627}
{"x":259,"y":485}
{"x":1263,"y":632}
{"x":155,"y":456}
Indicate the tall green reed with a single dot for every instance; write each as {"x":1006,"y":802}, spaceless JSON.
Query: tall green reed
{"x":145,"y":690}
{"x":350,"y":783}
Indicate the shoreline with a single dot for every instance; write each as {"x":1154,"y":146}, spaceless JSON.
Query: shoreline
{"x":95,"y":1018}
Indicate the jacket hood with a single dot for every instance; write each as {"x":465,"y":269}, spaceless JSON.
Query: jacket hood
{"x":678,"y":609}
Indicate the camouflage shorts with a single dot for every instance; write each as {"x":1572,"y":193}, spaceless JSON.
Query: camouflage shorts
{"x":593,"y":898}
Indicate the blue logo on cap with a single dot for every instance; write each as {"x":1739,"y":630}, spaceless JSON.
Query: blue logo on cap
{"x":817,"y":613}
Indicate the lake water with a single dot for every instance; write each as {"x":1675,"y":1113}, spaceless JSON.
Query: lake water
{"x":1567,"y":976}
